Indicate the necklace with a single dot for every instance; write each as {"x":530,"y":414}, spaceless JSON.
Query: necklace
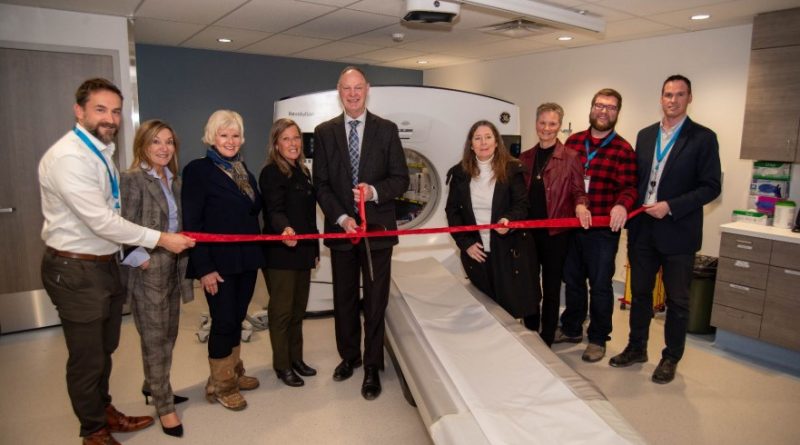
{"x":539,"y":156}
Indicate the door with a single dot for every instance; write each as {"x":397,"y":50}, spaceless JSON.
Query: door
{"x":37,"y":90}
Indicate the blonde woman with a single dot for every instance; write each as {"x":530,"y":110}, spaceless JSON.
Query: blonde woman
{"x":221,"y":196}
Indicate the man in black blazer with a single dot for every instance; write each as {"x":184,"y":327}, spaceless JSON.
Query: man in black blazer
{"x":679,"y":172}
{"x":353,"y":150}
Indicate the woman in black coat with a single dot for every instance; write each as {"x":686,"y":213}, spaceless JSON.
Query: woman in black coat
{"x":220,"y":195}
{"x":290,"y":208}
{"x":488,"y":186}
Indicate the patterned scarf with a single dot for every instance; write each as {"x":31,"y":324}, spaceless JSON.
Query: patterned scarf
{"x":235,"y":168}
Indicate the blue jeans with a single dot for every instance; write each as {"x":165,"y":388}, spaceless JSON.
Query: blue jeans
{"x":591,"y":256}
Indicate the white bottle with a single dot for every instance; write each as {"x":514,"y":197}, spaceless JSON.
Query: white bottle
{"x":784,"y":214}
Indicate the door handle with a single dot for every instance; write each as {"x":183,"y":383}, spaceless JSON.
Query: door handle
{"x":8,"y":210}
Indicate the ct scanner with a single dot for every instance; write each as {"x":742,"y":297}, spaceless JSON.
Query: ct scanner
{"x":433,"y":125}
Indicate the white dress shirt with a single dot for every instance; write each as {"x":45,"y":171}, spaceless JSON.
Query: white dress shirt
{"x":77,"y":203}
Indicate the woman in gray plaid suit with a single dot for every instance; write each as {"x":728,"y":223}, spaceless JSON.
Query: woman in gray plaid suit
{"x":155,"y":279}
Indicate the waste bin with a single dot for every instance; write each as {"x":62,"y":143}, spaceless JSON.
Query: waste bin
{"x":701,"y":294}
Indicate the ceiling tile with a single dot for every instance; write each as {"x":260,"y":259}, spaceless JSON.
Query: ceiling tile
{"x":648,"y":7}
{"x":273,"y":15}
{"x":393,"y":8}
{"x":124,"y":8}
{"x":334,"y":50}
{"x":453,"y":39}
{"x":632,"y":27}
{"x":496,"y":49}
{"x":434,"y":61}
{"x":342,"y":23}
{"x":337,"y":3}
{"x":204,"y":12}
{"x":389,"y":54}
{"x":723,"y":14}
{"x":283,"y":44}
{"x":162,"y":32}
{"x":207,"y":38}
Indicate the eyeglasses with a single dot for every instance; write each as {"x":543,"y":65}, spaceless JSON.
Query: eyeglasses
{"x":601,"y":107}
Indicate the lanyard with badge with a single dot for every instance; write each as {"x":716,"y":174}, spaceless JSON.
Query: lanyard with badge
{"x":590,"y":155}
{"x":661,"y":154}
{"x":112,"y":177}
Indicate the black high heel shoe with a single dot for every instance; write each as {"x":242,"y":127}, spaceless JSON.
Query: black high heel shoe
{"x":174,"y":431}
{"x":176,"y":399}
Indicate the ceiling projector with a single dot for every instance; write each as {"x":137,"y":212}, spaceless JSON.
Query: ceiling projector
{"x":431,"y":11}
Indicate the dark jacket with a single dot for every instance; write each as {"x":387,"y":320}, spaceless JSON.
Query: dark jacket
{"x":563,"y":181}
{"x":509,"y":280}
{"x":382,"y":165}
{"x":690,"y":180}
{"x":289,"y":202}
{"x":213,"y":204}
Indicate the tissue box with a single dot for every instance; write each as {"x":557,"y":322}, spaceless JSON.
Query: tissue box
{"x":750,"y":216}
{"x":772,"y":170}
{"x":769,"y":187}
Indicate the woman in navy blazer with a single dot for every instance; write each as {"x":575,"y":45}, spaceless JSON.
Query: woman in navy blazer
{"x":221,"y":196}
{"x":290,"y":208}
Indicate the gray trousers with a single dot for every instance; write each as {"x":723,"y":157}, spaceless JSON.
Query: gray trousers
{"x":89,"y":297}
{"x":156,"y":313}
{"x":288,"y":298}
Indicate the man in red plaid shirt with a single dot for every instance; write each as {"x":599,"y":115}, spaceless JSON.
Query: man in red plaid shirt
{"x":610,"y":181}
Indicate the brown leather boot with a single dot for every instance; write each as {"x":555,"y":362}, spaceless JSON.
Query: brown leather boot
{"x":101,"y":437}
{"x":120,"y":423}
{"x":246,"y":383}
{"x":222,"y":386}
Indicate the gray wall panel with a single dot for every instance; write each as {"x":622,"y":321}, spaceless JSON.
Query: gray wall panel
{"x":184,"y":86}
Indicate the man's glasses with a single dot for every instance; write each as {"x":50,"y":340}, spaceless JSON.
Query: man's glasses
{"x":609,"y":108}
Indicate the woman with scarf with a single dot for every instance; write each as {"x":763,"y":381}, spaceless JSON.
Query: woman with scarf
{"x":221,"y":196}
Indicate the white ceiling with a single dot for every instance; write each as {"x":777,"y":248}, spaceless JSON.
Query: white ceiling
{"x":360,"y":31}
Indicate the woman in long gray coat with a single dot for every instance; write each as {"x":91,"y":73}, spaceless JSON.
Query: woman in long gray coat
{"x":155,"y":279}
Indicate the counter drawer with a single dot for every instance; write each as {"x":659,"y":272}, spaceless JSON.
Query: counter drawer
{"x":739,"y":297}
{"x":785,"y":255}
{"x":744,"y":272}
{"x":747,"y":248}
{"x":736,"y":321}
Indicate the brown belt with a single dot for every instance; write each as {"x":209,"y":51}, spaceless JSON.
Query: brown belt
{"x":80,"y":256}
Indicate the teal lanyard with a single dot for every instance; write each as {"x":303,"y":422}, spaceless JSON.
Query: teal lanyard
{"x":661,"y":154}
{"x":111,"y":176}
{"x":590,"y":156}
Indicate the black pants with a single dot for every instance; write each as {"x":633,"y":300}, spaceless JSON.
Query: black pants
{"x":551,"y":252}
{"x":228,"y":310}
{"x":677,"y":271}
{"x":89,"y":297}
{"x":347,"y":266}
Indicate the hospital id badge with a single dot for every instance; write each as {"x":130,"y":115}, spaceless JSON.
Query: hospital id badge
{"x":586,"y":181}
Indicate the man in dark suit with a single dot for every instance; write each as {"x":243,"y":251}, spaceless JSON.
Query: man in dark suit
{"x":359,"y":150}
{"x":679,"y":172}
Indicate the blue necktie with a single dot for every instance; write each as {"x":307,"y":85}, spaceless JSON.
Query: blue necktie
{"x":355,"y":154}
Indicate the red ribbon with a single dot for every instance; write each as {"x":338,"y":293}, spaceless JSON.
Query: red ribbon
{"x":554,"y":223}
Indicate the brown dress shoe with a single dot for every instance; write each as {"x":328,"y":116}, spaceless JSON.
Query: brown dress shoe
{"x":101,"y":437}
{"x":120,"y":423}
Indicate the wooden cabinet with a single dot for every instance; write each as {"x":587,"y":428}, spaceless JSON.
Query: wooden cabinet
{"x":772,"y":112}
{"x":757,"y":293}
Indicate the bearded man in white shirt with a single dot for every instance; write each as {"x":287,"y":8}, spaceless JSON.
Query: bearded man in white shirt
{"x":83,"y":232}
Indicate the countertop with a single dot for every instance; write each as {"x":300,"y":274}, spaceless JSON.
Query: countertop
{"x":757,"y":230}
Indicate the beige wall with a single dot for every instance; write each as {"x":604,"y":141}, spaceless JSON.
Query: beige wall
{"x":716,"y":61}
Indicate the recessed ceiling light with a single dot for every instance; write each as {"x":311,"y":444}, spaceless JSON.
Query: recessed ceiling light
{"x":565,"y":38}
{"x":422,"y":62}
{"x":701,"y":16}
{"x":224,"y":40}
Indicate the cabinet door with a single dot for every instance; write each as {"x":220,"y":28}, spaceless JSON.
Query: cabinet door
{"x":782,"y":308}
{"x":772,"y":112}
{"x":779,"y":28}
